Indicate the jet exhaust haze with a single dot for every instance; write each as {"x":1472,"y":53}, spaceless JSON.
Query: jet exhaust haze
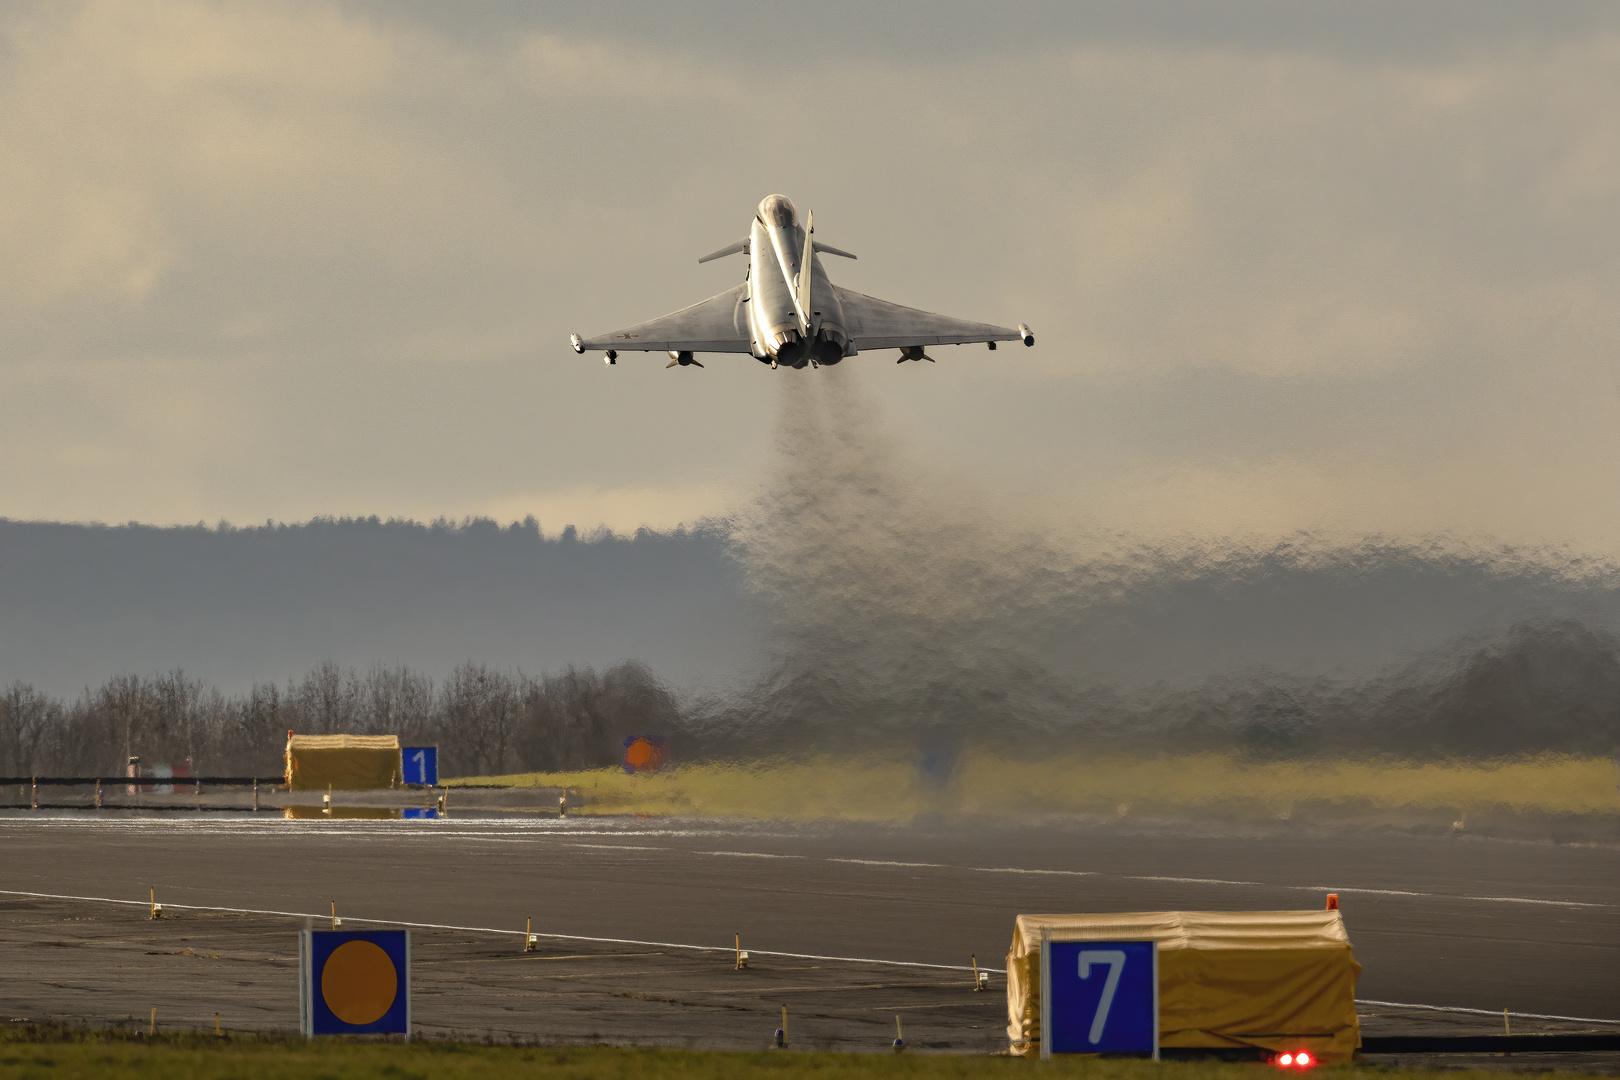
{"x":909,"y":611}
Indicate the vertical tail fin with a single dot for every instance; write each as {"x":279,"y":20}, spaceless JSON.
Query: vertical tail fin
{"x":801,"y":290}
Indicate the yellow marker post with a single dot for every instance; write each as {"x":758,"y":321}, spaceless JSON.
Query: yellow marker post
{"x":157,"y":908}
{"x":152,"y":1027}
{"x":899,"y":1036}
{"x":530,"y":942}
{"x":742,"y":957}
{"x":216,"y":1024}
{"x":781,"y":1032}
{"x":336,"y":922}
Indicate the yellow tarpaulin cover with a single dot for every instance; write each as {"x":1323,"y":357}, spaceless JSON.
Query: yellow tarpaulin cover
{"x":341,"y":762}
{"x":1281,"y":980}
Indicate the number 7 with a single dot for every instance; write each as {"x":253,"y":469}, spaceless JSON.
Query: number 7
{"x":1115,"y":959}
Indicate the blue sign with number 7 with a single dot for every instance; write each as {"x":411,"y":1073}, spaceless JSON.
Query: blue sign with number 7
{"x":420,"y":765}
{"x":1099,"y":997}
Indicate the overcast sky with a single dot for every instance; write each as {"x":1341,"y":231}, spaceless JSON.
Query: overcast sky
{"x":1345,"y":268}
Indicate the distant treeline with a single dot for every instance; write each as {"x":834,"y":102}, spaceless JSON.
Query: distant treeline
{"x":484,"y":720}
{"x":232,"y":606}
{"x":1543,"y":687}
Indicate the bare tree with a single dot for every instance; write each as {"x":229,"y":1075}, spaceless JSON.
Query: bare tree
{"x":477,"y":710}
{"x":578,"y":719}
{"x":399,"y":701}
{"x":26,"y":718}
{"x":328,"y":701}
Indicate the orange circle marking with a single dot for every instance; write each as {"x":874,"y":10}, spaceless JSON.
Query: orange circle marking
{"x":359,"y":982}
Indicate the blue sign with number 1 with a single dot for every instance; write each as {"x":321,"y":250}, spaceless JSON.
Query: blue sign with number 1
{"x":420,"y":765}
{"x":1099,"y":997}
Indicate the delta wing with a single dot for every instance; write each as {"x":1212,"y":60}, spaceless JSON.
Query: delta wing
{"x":878,"y":324}
{"x":718,"y":324}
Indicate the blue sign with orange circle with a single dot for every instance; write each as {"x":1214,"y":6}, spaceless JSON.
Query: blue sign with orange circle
{"x":355,"y":982}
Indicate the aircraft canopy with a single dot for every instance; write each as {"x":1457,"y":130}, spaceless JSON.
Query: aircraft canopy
{"x":777,"y":210}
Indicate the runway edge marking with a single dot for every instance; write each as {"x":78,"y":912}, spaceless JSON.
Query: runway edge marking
{"x":1485,"y":1012}
{"x":716,"y":948}
{"x":491,"y":930}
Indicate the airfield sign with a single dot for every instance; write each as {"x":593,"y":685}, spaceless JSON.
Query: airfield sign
{"x":419,"y":765}
{"x":1099,"y":997}
{"x":354,"y":982}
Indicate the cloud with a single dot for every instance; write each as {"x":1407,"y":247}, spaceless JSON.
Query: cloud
{"x":264,"y":260}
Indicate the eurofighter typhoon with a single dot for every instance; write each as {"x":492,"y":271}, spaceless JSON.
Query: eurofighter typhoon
{"x":787,"y":311}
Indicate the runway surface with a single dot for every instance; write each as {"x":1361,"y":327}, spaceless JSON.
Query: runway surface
{"x":1455,"y":922}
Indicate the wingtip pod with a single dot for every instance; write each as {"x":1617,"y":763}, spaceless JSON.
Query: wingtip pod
{"x":578,"y":345}
{"x":1027,"y":335}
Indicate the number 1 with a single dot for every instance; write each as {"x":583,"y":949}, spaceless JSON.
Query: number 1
{"x":421,"y":773}
{"x":1115,"y":959}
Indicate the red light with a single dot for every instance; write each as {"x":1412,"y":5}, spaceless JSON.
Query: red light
{"x":1286,"y":1059}
{"x":1302,"y":1058}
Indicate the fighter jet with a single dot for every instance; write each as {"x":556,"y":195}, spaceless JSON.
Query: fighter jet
{"x":787,"y":313}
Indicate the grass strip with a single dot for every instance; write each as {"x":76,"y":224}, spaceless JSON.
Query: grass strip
{"x":876,"y":788}
{"x":72,"y":1053}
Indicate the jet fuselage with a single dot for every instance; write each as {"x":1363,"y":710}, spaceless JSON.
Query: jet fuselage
{"x":776,"y":329}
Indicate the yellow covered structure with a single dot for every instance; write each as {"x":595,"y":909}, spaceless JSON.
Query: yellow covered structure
{"x":1279,"y":980}
{"x":341,"y":762}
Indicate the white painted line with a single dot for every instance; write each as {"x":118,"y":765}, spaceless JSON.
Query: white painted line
{"x":529,"y":832}
{"x":1196,"y":880}
{"x":319,"y":917}
{"x":622,"y":847}
{"x":1225,"y":881}
{"x":1445,"y":896}
{"x":1020,"y":870}
{"x":1485,"y":1012}
{"x":1526,"y":900}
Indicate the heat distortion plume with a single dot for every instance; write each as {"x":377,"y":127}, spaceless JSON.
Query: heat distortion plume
{"x":908,"y":608}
